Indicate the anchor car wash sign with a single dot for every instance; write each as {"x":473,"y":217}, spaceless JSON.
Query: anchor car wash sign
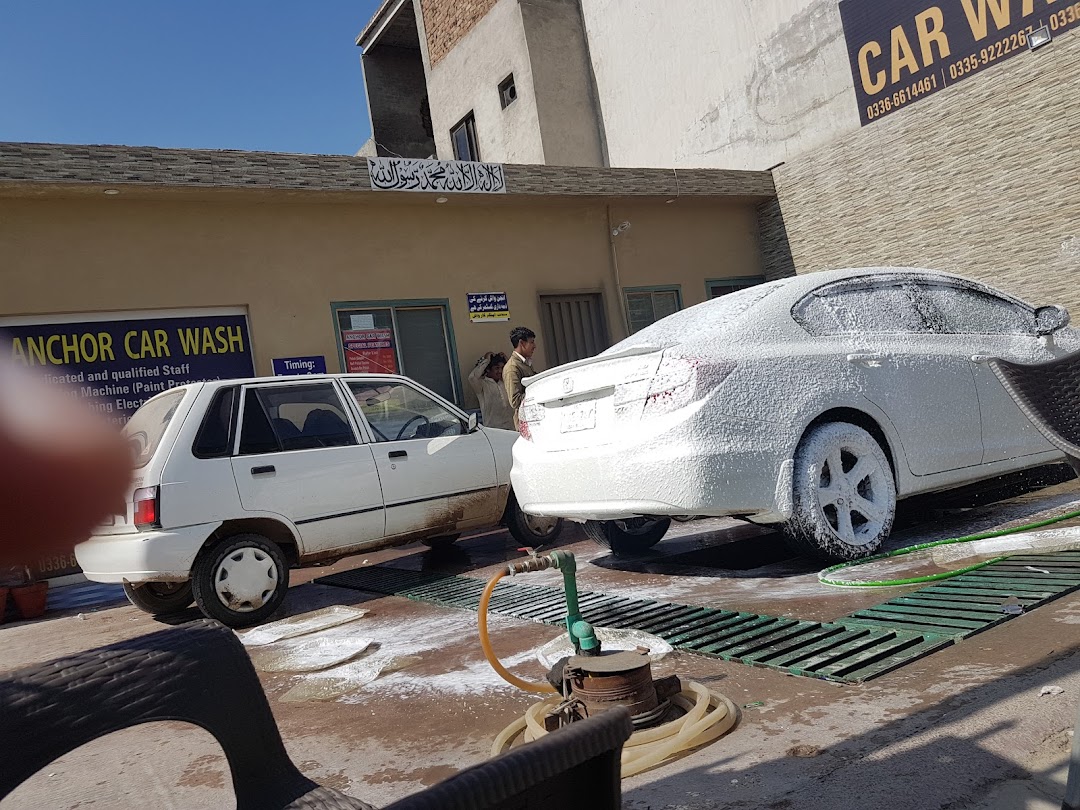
{"x":903,"y":50}
{"x":115,"y":362}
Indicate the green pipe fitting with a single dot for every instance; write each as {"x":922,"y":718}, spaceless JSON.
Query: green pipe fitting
{"x":581,"y":632}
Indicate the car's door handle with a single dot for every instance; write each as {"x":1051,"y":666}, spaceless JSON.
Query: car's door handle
{"x":874,"y":360}
{"x":269,"y":468}
{"x":398,"y":454}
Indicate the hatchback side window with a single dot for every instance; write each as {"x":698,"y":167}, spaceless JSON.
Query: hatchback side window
{"x":294,"y":417}
{"x":971,"y":311}
{"x":215,"y":437}
{"x":397,"y":412}
{"x":879,"y":308}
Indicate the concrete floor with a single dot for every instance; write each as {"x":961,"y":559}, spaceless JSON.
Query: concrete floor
{"x":963,"y":728}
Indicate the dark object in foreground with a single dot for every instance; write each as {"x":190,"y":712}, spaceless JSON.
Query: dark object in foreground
{"x":1048,"y":394}
{"x":201,"y":674}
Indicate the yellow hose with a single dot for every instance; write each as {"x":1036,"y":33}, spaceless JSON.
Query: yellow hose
{"x":708,"y":714}
{"x":489,"y":654}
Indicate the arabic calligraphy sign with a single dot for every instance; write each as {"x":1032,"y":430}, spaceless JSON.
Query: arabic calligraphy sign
{"x":409,"y":174}
{"x":491,"y":306}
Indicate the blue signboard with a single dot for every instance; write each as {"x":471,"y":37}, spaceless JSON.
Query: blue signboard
{"x":116,"y":365}
{"x":489,"y":306}
{"x":289,"y":366}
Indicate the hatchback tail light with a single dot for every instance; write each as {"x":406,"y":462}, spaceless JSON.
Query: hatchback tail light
{"x":146,"y":513}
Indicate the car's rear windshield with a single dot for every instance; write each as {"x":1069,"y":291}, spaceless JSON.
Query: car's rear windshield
{"x":711,"y":317}
{"x":146,"y":427}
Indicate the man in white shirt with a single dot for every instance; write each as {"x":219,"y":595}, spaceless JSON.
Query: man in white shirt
{"x":486,"y":380}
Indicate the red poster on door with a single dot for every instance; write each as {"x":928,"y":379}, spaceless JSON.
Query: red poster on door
{"x":369,"y":351}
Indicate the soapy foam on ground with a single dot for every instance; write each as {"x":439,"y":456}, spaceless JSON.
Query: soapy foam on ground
{"x":296,"y":626}
{"x":398,"y":647}
{"x":310,"y":653}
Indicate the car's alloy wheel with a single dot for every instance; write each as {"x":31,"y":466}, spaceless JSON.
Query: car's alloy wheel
{"x":160,"y":598}
{"x":240,"y":581}
{"x":627,"y":537}
{"x":844,"y":493}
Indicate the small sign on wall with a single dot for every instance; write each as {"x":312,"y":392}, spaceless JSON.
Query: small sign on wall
{"x":291,"y":366}
{"x":489,"y":306}
{"x":369,"y":351}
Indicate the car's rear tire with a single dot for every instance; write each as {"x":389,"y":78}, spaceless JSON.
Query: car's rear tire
{"x":160,"y":598}
{"x":240,"y":581}
{"x":844,"y":494}
{"x":443,"y":541}
{"x":530,"y":530}
{"x":628,"y":537}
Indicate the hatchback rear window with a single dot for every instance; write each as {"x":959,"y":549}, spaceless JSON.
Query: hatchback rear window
{"x":145,"y":429}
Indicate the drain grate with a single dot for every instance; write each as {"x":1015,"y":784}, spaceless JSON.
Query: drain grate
{"x":852,"y":649}
{"x":970,"y":603}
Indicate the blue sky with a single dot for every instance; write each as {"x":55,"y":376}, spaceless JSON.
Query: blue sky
{"x":228,"y":74}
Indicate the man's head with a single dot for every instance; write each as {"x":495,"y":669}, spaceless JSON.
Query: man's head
{"x":523,"y":340}
{"x":495,"y":367}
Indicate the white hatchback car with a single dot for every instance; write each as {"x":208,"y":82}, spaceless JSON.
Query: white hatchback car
{"x":812,"y":402}
{"x":240,"y":480}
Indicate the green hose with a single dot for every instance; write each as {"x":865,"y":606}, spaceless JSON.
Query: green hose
{"x":823,"y":576}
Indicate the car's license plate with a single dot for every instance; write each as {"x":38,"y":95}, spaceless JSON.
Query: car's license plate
{"x":579,"y":417}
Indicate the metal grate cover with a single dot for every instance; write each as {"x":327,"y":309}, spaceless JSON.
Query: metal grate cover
{"x":852,"y":649}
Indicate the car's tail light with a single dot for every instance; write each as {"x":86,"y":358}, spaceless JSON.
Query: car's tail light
{"x":530,"y":414}
{"x":146,"y":508}
{"x":523,"y":427}
{"x":677,"y":382}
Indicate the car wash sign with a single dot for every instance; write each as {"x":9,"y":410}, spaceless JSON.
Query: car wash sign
{"x":904,"y":50}
{"x":116,"y":362}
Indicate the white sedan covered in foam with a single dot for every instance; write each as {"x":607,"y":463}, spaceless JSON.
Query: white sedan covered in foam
{"x":813,"y":402}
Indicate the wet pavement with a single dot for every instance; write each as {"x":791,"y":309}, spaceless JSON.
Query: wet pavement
{"x":964,"y":727}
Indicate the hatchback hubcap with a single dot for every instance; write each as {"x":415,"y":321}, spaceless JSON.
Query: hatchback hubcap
{"x":246,"y":579}
{"x":852,"y":495}
{"x":540,"y":526}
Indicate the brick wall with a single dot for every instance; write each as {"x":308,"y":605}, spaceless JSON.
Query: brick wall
{"x":447,"y":21}
{"x":981,"y":179}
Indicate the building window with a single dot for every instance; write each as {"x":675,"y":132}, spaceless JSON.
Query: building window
{"x":412,"y":338}
{"x":507,"y":91}
{"x":463,"y":136}
{"x":714,"y":288}
{"x":645,"y":306}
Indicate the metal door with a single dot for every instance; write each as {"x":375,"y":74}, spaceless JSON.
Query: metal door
{"x":573,"y":327}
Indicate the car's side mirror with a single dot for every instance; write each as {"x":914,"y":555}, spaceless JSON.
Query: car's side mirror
{"x":474,"y":423}
{"x":1050,"y":319}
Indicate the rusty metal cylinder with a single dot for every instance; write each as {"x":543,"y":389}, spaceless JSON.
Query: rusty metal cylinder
{"x":615,"y":679}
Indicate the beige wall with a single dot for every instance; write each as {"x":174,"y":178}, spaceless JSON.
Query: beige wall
{"x":981,"y":179}
{"x":287,"y":259}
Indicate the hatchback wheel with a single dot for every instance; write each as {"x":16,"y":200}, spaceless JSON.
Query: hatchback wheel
{"x":441,"y":542}
{"x":240,"y":581}
{"x":628,"y":537}
{"x":530,"y":530}
{"x":160,"y":598}
{"x":844,"y":494}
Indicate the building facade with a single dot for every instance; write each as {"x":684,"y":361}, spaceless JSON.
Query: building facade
{"x":916,"y":132}
{"x":291,"y":255}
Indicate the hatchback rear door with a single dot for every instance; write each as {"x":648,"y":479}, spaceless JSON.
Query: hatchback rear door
{"x":299,"y":454}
